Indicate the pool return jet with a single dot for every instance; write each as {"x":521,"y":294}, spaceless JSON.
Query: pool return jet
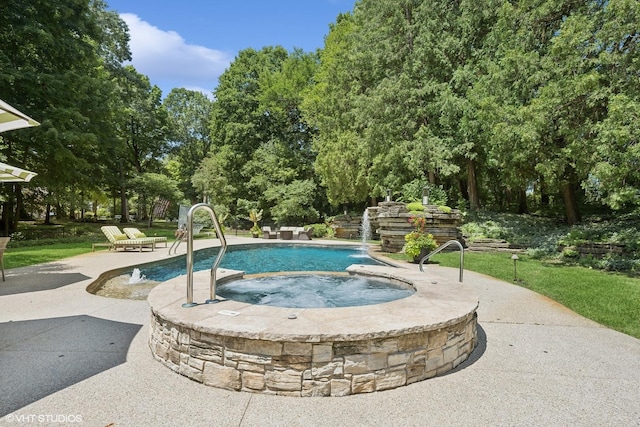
{"x":223,"y":247}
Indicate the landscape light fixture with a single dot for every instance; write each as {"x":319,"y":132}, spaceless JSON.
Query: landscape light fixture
{"x":425,"y":196}
{"x":515,"y":258}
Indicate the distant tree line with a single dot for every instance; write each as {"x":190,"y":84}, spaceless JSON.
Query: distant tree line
{"x":529,"y":105}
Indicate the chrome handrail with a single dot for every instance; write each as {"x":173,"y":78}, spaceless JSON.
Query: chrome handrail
{"x":214,"y":267}
{"x":441,"y":247}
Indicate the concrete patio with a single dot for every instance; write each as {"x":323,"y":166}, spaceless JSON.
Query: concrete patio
{"x":68,"y":357}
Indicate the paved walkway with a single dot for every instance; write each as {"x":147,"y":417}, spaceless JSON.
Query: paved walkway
{"x":68,"y":356}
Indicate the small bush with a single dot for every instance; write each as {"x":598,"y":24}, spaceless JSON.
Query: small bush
{"x":321,"y":231}
{"x":611,"y":262}
{"x":416,"y":242}
{"x":570,"y":253}
{"x":415,"y":207}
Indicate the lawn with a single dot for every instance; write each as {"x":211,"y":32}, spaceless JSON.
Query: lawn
{"x":76,"y":241}
{"x":611,"y":299}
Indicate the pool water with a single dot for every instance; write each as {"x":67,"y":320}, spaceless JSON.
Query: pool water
{"x":256,"y":259}
{"x":312,"y":291}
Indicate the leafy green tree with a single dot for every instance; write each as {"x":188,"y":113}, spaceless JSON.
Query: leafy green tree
{"x":141,"y":133}
{"x":615,"y":176}
{"x":189,"y":116}
{"x":554,"y":100}
{"x":56,"y":63}
{"x":341,"y":162}
{"x":292,"y":203}
{"x":238,"y":123}
{"x":261,"y":141}
{"x":153,"y":188}
{"x":211,"y":179}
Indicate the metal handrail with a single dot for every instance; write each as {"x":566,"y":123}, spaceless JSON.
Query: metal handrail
{"x":440,"y":248}
{"x":223,"y":248}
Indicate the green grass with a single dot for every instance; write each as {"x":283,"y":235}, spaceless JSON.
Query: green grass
{"x":29,"y":255}
{"x":22,"y":253}
{"x":611,"y":299}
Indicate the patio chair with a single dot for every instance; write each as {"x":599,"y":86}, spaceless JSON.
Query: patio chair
{"x":268,"y":233}
{"x":4,"y":241}
{"x":120,"y":240}
{"x":134,"y":233}
{"x":305,"y":234}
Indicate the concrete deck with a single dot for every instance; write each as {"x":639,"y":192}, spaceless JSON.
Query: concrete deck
{"x":68,"y":356}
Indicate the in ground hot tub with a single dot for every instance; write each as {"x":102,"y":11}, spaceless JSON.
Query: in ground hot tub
{"x":315,"y":351}
{"x":325,"y":290}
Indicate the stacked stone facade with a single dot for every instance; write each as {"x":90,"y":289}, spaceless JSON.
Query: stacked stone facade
{"x":393,"y":224}
{"x":337,"y":367}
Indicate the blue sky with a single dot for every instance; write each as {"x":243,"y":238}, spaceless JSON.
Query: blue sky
{"x":190,"y":43}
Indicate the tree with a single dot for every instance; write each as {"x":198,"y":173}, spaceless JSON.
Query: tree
{"x":260,"y":138}
{"x":56,"y":64}
{"x":341,"y":163}
{"x":189,"y":116}
{"x":154,"y":188}
{"x":615,"y":177}
{"x":141,"y":136}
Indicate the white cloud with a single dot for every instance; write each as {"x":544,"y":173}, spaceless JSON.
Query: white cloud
{"x":169,"y":61}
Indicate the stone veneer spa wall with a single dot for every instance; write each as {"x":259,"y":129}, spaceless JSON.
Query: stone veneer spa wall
{"x":320,"y":352}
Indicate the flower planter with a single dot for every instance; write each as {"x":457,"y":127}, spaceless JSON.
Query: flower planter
{"x":423,"y":253}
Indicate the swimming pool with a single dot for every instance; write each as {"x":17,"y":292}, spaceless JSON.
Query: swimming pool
{"x":265,"y":258}
{"x":251,"y":259}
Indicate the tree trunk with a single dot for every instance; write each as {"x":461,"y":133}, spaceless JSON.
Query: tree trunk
{"x":5,"y":219}
{"x":432,"y":178}
{"x":124,"y":211}
{"x":522,"y":202}
{"x":544,"y":195}
{"x":472,"y":186}
{"x":463,"y":189}
{"x":19,"y":202}
{"x":570,"y":204}
{"x":47,"y":215}
{"x":569,"y":196}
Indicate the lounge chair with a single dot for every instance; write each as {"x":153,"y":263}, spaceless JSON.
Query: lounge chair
{"x":134,"y":233}
{"x":267,"y":233}
{"x":120,"y":240}
{"x":305,"y":234}
{"x":3,"y":247}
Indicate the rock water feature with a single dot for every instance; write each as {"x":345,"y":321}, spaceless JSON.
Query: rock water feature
{"x":393,"y":222}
